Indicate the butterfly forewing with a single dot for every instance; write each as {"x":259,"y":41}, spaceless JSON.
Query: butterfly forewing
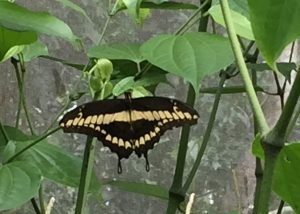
{"x":127,"y":125}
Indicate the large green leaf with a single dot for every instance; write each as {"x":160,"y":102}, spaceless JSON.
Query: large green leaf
{"x":18,"y":18}
{"x":19,"y":182}
{"x":275,"y":24}
{"x":117,"y":51}
{"x":286,"y":181}
{"x":54,"y":163}
{"x":241,"y":24}
{"x":191,"y":56}
{"x":12,"y":42}
{"x":141,"y":188}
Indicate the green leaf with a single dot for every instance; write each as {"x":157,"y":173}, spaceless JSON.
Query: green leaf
{"x":275,"y":24}
{"x":285,"y":68}
{"x":160,"y":4}
{"x":75,"y":7}
{"x":19,"y":182}
{"x":239,"y":6}
{"x":117,"y":51}
{"x":15,"y":17}
{"x":12,"y":42}
{"x":54,"y":163}
{"x":241,"y":24}
{"x":128,"y":83}
{"x":286,"y":181}
{"x":8,"y":151}
{"x":191,"y":56}
{"x":141,"y":188}
{"x":257,"y":149}
{"x":34,"y":50}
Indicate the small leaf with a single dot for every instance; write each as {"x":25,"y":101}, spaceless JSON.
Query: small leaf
{"x":191,"y":56}
{"x":141,"y":188}
{"x":285,"y":68}
{"x":19,"y":182}
{"x":241,"y":24}
{"x":117,"y":51}
{"x":286,"y":181}
{"x":15,"y":17}
{"x":34,"y":50}
{"x":123,"y":86}
{"x":12,"y":42}
{"x":257,"y":149}
{"x":275,"y":24}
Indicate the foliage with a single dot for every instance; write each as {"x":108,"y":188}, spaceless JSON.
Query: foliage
{"x":265,"y":27}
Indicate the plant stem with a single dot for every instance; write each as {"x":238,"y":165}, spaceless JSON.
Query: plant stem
{"x":263,"y":126}
{"x":278,"y":134}
{"x":206,"y":135}
{"x":175,"y":194}
{"x":32,"y":144}
{"x":280,"y":207}
{"x":86,"y":173}
{"x":274,"y":142}
{"x":35,"y":206}
{"x":41,"y":199}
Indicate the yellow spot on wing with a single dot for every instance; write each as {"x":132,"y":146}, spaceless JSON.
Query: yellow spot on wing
{"x":69,"y":123}
{"x":88,"y":120}
{"x":195,"y":116}
{"x":175,"y":116}
{"x":115,"y":140}
{"x":92,"y":126}
{"x":161,"y":114}
{"x":136,"y":115}
{"x":157,"y":129}
{"x":127,"y":145}
{"x":152,"y":134}
{"x":107,"y":118}
{"x":100,"y":119}
{"x":147,"y":137}
{"x":142,"y":141}
{"x":148,"y":115}
{"x":137,"y":143}
{"x":168,"y":114}
{"x":156,"y":115}
{"x":97,"y":128}
{"x":81,"y":122}
{"x":165,"y":121}
{"x":75,"y":121}
{"x":94,"y":119}
{"x":188,"y":115}
{"x":62,"y":125}
{"x":108,"y":137}
{"x":103,"y":131}
{"x":121,"y":142}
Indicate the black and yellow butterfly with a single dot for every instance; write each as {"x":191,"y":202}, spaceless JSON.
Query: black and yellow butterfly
{"x":127,"y":125}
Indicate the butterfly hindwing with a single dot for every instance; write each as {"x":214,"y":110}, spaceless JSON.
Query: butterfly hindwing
{"x":127,"y":125}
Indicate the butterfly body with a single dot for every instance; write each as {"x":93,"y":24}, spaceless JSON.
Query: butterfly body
{"x":129,"y":125}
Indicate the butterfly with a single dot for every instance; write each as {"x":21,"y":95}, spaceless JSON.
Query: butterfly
{"x":129,"y":125}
